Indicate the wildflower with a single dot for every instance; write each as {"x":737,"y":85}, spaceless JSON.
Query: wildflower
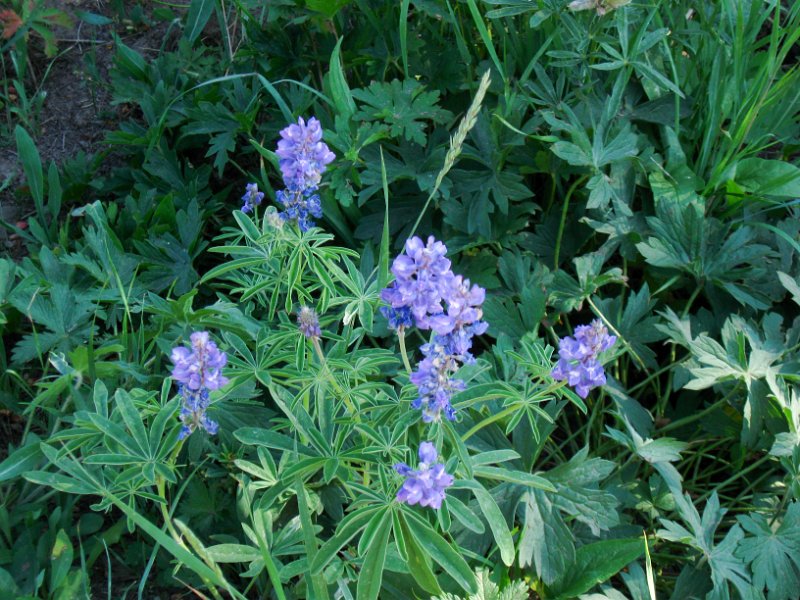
{"x":426,"y":290}
{"x":578,"y":362}
{"x":426,"y":485}
{"x":252,"y":197}
{"x":398,"y":317}
{"x":308,"y":323}
{"x":303,"y":155}
{"x":198,"y":371}
{"x":435,"y":383}
{"x":300,"y":205}
{"x":422,"y":274}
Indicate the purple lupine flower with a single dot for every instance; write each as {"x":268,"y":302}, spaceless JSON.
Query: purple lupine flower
{"x":426,"y":485}
{"x":199,"y":366}
{"x":193,"y":412}
{"x":308,"y":323}
{"x":252,"y":197}
{"x":398,"y":317}
{"x":198,"y":371}
{"x":578,"y":362}
{"x":300,"y":205}
{"x":422,"y":274}
{"x":435,"y":383}
{"x":303,"y":155}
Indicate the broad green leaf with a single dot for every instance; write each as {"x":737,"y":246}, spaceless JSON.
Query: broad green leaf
{"x":598,"y":562}
{"x":340,"y":91}
{"x":769,"y":177}
{"x":773,"y":555}
{"x":546,"y":541}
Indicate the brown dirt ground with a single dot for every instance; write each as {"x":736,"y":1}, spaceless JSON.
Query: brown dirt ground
{"x":77,"y":111}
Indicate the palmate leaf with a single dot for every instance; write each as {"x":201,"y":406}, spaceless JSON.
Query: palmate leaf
{"x":547,"y":541}
{"x":635,"y":322}
{"x":685,"y":240}
{"x":725,"y":565}
{"x":402,"y":106}
{"x":773,"y":555}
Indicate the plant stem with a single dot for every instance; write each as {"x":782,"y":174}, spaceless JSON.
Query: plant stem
{"x":401,"y":337}
{"x":562,"y":224}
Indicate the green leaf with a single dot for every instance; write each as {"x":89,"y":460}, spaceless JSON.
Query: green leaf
{"x":773,"y":556}
{"x":233,"y":553}
{"x":402,"y":106}
{"x":60,"y":559}
{"x":769,"y":177}
{"x":418,"y":563}
{"x":340,"y":91}
{"x":32,"y":165}
{"x":546,"y":540}
{"x":495,"y":518}
{"x":371,"y":575}
{"x":598,"y":562}
{"x":21,"y":460}
{"x":59,"y":482}
{"x":345,"y":531}
{"x":329,"y":8}
{"x":199,"y":14}
{"x":443,"y":553}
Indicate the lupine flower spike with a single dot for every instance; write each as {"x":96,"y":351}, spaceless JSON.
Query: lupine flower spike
{"x":426,"y":485}
{"x":577,"y":357}
{"x":303,"y":159}
{"x":198,"y":371}
{"x":427,"y":293}
{"x":308,"y":323}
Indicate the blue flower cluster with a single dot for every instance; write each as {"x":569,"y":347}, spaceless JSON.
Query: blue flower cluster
{"x":308,"y":323}
{"x":578,"y":364}
{"x":303,"y":158}
{"x":427,"y":293}
{"x":198,"y":371}
{"x":252,"y":197}
{"x":425,"y":485}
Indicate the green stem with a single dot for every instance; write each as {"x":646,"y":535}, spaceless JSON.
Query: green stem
{"x":161,"y":485}
{"x":562,"y":224}
{"x":401,"y":337}
{"x":736,"y":477}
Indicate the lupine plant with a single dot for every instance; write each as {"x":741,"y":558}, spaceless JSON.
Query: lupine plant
{"x":525,"y":335}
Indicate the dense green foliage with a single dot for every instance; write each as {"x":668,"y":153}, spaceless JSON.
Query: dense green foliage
{"x":632,"y":164}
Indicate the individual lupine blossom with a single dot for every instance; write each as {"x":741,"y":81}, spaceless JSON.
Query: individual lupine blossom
{"x":578,"y":362}
{"x":308,"y":323}
{"x":422,"y":274}
{"x":300,"y":206}
{"x":303,"y":159}
{"x":398,"y":317}
{"x":425,"y":485}
{"x":252,"y":197}
{"x":198,"y":371}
